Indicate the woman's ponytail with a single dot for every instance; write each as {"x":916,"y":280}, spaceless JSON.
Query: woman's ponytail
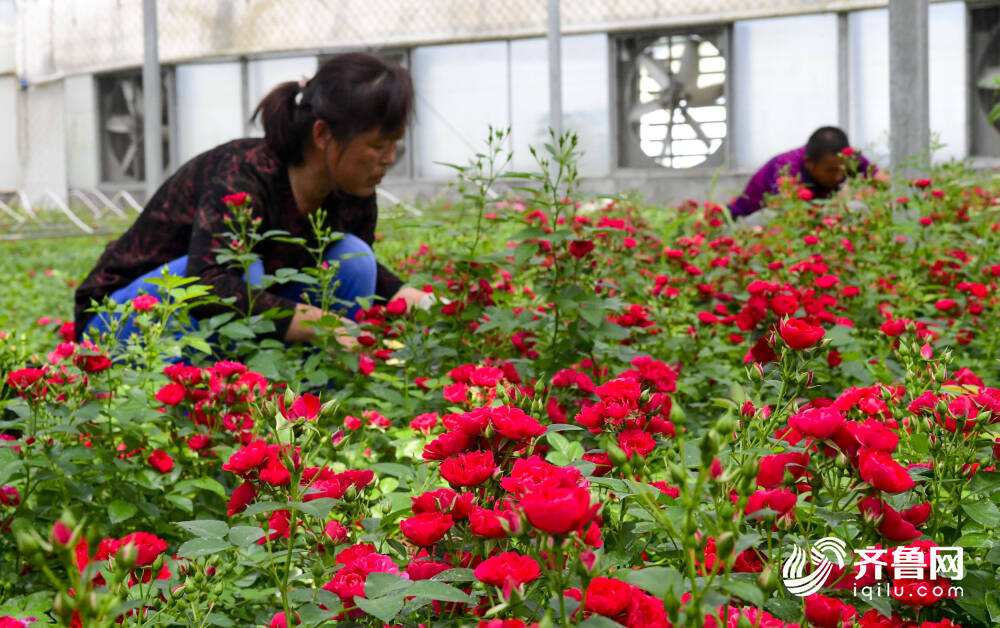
{"x":283,"y":121}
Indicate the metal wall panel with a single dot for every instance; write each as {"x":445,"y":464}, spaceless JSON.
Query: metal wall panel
{"x":82,"y":141}
{"x":43,"y":149}
{"x":75,"y":36}
{"x":209,"y":107}
{"x":785,"y":81}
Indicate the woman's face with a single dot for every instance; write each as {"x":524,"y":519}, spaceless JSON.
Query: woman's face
{"x":357,"y":167}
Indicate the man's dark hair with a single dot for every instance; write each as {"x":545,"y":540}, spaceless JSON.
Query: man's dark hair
{"x":827,"y":140}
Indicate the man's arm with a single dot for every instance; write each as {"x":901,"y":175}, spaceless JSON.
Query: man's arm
{"x":752,"y":198}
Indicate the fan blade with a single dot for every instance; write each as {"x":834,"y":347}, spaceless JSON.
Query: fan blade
{"x":129,"y":155}
{"x":656,"y":71}
{"x":638,"y":111}
{"x":688,"y":74}
{"x":705,"y":95}
{"x":120,"y":123}
{"x":668,"y":141}
{"x":990,"y":79}
{"x":128,"y":94}
{"x":696,"y":127}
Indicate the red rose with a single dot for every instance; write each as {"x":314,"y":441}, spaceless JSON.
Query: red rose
{"x":24,"y":379}
{"x":161,"y":461}
{"x":873,"y":434}
{"x":773,"y":468}
{"x":144,"y":302}
{"x":336,"y":532}
{"x":636,"y":442}
{"x":798,"y":334}
{"x":828,"y":612}
{"x":645,"y":611}
{"x":558,"y":510}
{"x":275,"y":473}
{"x":514,"y":424}
{"x":446,"y":501}
{"x":90,"y":360}
{"x":396,"y":307}
{"x":425,"y":569}
{"x":427,"y":528}
{"x":236,"y":200}
{"x":920,"y":593}
{"x":890,"y":524}
{"x":878,"y":469}
{"x":579,"y":248}
{"x":148,"y":547}
{"x":817,"y":423}
{"x":447,"y":445}
{"x":494,"y":524}
{"x":248,"y":458}
{"x":171,"y":394}
{"x":424,"y":422}
{"x":366,"y":364}
{"x":778,"y":500}
{"x":507,"y":570}
{"x":305,"y":407}
{"x":242,"y":497}
{"x":893,"y":327}
{"x":197,"y":442}
{"x":918,"y":514}
{"x":805,"y":194}
{"x":468,"y":469}
{"x":608,"y":597}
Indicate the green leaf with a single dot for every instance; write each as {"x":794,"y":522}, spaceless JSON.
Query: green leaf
{"x":319,"y":508}
{"x":245,"y":535}
{"x":438,"y":591}
{"x":202,"y":547}
{"x":204,"y":483}
{"x":206,"y":528}
{"x":385,"y":608}
{"x":184,"y":503}
{"x":394,"y":469}
{"x":599,"y":621}
{"x":119,"y":511}
{"x":744,"y":590}
{"x":656,"y":580}
{"x":983,"y":512}
{"x":558,"y":442}
{"x":258,"y":508}
{"x":379,"y":584}
{"x":455,"y":574}
{"x":236,"y":331}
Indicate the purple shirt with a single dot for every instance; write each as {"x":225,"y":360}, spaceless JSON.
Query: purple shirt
{"x":766,"y":180}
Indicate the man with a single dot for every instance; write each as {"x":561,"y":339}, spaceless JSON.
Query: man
{"x":819,"y":166}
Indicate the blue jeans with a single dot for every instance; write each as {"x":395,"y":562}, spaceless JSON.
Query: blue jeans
{"x":355,"y":279}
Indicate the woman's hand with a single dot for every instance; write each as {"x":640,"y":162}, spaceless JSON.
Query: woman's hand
{"x":298,"y":331}
{"x":411,"y":295}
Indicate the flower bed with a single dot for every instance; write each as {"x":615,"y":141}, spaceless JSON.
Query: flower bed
{"x":620,"y":417}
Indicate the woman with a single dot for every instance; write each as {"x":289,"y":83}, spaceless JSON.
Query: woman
{"x":327,"y":142}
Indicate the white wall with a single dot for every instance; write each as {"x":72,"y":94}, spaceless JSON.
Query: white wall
{"x":82,"y":140}
{"x":585,"y":94}
{"x":10,"y":163}
{"x":265,"y":74}
{"x":869,"y":68}
{"x":784,"y":84}
{"x":43,"y":151}
{"x":461,"y":89}
{"x":209,"y":107}
{"x":947,"y":44}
